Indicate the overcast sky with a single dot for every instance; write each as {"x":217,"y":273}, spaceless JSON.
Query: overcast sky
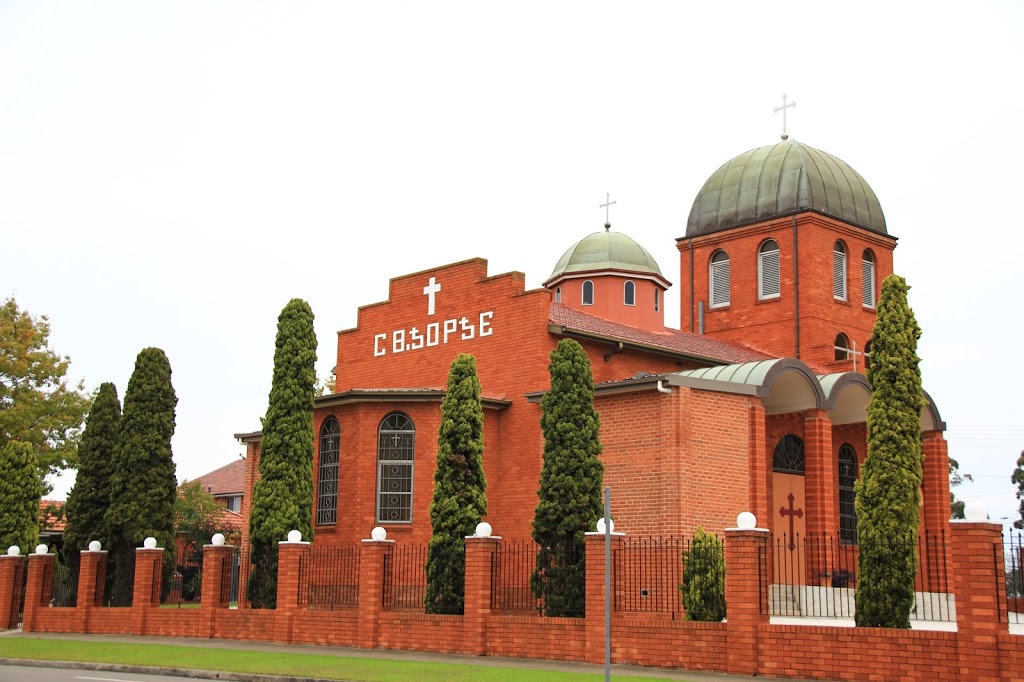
{"x":172,"y":173}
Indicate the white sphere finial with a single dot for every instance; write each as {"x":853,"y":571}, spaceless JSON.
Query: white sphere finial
{"x":975,"y":511}
{"x":378,"y":534}
{"x":483,"y":530}
{"x":746,"y":521}
{"x":600,"y":525}
{"x":13,"y":550}
{"x":42,"y":549}
{"x":95,"y":546}
{"x":149,"y":543}
{"x":218,"y":539}
{"x":294,"y":536}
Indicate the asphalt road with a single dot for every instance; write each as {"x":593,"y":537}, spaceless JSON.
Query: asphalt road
{"x":26,"y":674}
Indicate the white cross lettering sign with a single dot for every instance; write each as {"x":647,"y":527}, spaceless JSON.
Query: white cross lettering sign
{"x":438,"y":333}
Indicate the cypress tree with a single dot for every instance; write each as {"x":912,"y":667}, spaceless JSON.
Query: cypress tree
{"x":459,"y":499}
{"x":1017,"y":478}
{"x":888,"y":495}
{"x":283,"y":495}
{"x":703,"y":587}
{"x":142,"y":484}
{"x":90,"y":497}
{"x":570,"y":482}
{"x":20,"y":490}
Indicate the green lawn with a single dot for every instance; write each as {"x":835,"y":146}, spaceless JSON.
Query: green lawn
{"x":296,"y":665}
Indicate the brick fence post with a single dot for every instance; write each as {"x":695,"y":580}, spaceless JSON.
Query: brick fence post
{"x":92,"y":577}
{"x":148,"y":580}
{"x":479,"y":555}
{"x":595,"y":601}
{"x":292,"y":563}
{"x":215,"y":591}
{"x":980,"y":586}
{"x":38,"y":588}
{"x":12,"y":570}
{"x":746,"y":592}
{"x":372,"y":557}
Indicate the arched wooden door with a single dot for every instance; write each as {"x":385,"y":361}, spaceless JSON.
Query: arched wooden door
{"x":789,"y":517}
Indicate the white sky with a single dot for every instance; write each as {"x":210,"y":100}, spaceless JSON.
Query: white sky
{"x":171,"y":173}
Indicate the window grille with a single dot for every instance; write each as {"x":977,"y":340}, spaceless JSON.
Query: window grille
{"x":768,"y":283}
{"x":847,"y":477}
{"x":629,"y":293}
{"x":719,"y":279}
{"x":588,"y":293}
{"x":327,"y":479}
{"x":396,"y":449}
{"x":789,"y":455}
{"x":558,"y":294}
{"x":868,"y":280}
{"x":657,"y":299}
{"x":839,"y":272}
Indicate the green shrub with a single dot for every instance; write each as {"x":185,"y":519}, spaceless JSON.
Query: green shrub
{"x":703,"y":585}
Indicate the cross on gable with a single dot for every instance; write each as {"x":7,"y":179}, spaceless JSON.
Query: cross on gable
{"x":433,"y":286}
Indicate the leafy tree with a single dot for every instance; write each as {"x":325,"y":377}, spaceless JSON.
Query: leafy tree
{"x":459,"y":487}
{"x":1018,"y":480}
{"x":20,"y":490}
{"x":90,"y":497}
{"x":703,"y":586}
{"x":955,"y":479}
{"x":142,"y":484}
{"x":283,"y":495}
{"x":36,"y":404}
{"x":570,"y":481}
{"x":197,"y":517}
{"x":888,"y":494}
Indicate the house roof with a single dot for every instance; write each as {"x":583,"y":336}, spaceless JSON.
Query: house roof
{"x":569,"y":322}
{"x":228,"y":480}
{"x":50,"y":523}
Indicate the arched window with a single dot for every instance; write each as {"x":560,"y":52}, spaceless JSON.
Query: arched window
{"x":396,"y":450}
{"x":789,"y":455}
{"x":657,"y":299}
{"x":629,"y":293}
{"x":719,"y":274}
{"x":768,"y":270}
{"x":839,"y":271}
{"x":558,"y":294}
{"x":867,"y":278}
{"x":842,"y":347}
{"x":588,"y":293}
{"x":847,"y":477}
{"x":327,"y":477}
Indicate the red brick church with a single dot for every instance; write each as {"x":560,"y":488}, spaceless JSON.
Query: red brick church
{"x":757,"y":403}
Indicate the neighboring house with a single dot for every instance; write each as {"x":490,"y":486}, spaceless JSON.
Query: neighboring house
{"x":226,"y":485}
{"x":51,"y":523}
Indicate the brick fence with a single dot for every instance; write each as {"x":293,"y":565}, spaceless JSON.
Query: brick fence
{"x":747,"y":643}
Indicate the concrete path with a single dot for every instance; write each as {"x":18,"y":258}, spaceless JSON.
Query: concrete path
{"x":489,"y":661}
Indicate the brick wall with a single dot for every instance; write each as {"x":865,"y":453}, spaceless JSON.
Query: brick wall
{"x":981,"y":650}
{"x":770,"y":325}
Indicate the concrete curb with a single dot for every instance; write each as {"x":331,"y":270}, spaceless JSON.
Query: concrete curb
{"x":153,"y":670}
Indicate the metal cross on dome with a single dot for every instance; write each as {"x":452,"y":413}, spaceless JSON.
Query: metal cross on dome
{"x":785,"y":135}
{"x":607,"y":209}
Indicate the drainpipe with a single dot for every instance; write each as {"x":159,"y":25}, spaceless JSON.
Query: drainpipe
{"x":691,"y":286}
{"x":661,"y":387}
{"x":613,"y":351}
{"x":796,"y":293}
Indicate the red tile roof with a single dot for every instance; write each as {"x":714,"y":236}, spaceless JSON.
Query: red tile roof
{"x":230,"y":520}
{"x":229,"y":479}
{"x":48,"y":521}
{"x":671,"y":340}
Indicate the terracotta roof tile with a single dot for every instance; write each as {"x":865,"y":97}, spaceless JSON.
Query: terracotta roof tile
{"x":46,"y":520}
{"x":672,"y":340}
{"x":226,"y":480}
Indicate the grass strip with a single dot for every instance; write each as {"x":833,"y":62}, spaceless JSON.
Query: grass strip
{"x":267,"y":663}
